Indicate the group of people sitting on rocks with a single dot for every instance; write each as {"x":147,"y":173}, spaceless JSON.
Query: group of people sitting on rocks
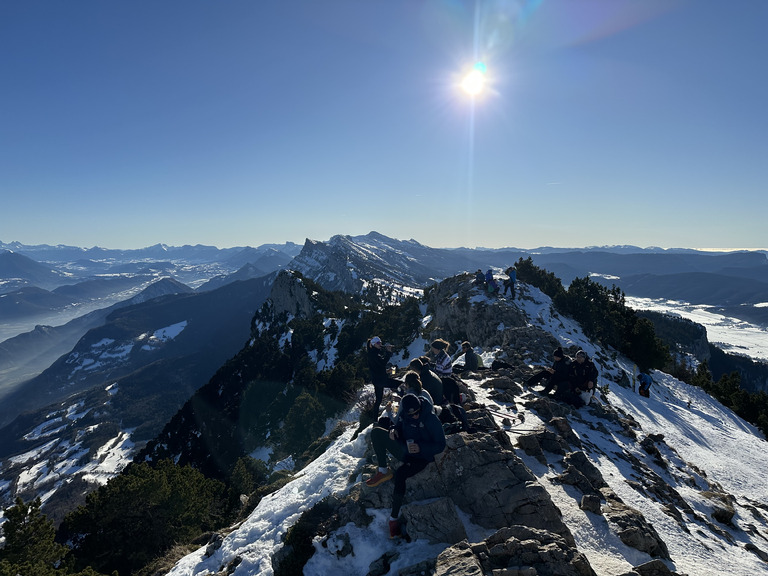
{"x":432,"y":396}
{"x":414,"y":435}
{"x":573,"y":381}
{"x":488,"y":282}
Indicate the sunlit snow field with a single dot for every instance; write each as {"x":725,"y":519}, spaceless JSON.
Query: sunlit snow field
{"x":729,"y":334}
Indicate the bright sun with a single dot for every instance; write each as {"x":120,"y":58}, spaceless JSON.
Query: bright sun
{"x":474,"y":82}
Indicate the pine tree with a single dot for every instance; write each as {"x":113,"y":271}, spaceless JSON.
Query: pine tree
{"x":29,"y":536}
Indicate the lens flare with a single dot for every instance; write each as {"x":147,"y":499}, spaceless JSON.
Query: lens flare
{"x":474,"y":82}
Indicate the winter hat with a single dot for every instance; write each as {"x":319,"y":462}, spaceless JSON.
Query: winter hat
{"x":410,"y":404}
{"x":558,"y":352}
{"x":375,"y":340}
{"x":581,"y":354}
{"x":439,"y":344}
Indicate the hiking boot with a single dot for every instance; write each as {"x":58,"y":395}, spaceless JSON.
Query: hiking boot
{"x":394,"y":529}
{"x":378,"y":478}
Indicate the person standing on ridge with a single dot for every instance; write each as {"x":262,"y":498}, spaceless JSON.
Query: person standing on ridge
{"x":378,"y":357}
{"x":509,"y":281}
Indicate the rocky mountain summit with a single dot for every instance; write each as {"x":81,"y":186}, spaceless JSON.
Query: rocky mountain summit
{"x":625,"y":486}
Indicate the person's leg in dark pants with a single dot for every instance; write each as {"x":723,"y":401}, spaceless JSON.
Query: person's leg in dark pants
{"x":382,"y":444}
{"x":405,"y":471}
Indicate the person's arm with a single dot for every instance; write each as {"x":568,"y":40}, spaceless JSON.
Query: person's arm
{"x":592,"y":377}
{"x":443,"y":363}
{"x":432,"y":441}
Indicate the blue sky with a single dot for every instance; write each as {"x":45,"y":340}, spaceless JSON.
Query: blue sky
{"x":232,"y":123}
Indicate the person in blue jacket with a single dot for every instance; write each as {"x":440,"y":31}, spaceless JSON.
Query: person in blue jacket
{"x":415,"y":440}
{"x":644,"y":382}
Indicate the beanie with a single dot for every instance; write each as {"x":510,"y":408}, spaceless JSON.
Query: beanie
{"x":410,"y":404}
{"x":558,"y":352}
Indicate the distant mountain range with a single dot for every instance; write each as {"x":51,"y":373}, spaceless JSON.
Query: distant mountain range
{"x":46,"y":286}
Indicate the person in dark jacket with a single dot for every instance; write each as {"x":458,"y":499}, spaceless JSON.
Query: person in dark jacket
{"x":509,"y":281}
{"x":556,"y":375}
{"x":582,"y":376}
{"x":490,"y":283}
{"x":416,"y":439}
{"x":472,"y":360}
{"x":378,"y":357}
{"x":430,"y":381}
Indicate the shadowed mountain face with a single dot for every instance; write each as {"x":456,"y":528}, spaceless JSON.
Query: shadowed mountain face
{"x":133,"y":340}
{"x":25,"y":356}
{"x":22,"y":270}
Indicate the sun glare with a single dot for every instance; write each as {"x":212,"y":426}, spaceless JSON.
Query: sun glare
{"x":474,"y":82}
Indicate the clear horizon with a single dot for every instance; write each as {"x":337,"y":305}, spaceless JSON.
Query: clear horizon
{"x":602,"y":122}
{"x":2,"y":242}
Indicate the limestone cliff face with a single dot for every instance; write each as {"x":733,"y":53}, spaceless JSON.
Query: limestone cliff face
{"x":289,"y":294}
{"x":327,"y":264}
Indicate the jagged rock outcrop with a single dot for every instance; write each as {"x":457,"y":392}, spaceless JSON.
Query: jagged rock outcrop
{"x":515,"y":551}
{"x":559,"y":440}
{"x":350,"y":264}
{"x":632,"y":527}
{"x":462,"y":311}
{"x":291,"y":296}
{"x":434,"y":521}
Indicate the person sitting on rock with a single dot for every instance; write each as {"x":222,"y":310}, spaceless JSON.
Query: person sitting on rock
{"x":556,"y":375}
{"x":443,"y":363}
{"x":472,"y":360}
{"x":430,"y":381}
{"x":582,"y":376}
{"x":414,"y":386}
{"x":490,"y":282}
{"x":416,"y":439}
